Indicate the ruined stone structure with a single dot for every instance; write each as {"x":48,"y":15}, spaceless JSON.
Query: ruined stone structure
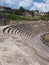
{"x":21,"y":44}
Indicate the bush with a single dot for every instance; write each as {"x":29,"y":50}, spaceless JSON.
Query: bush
{"x":44,"y":17}
{"x":12,"y":16}
{"x":16,"y":17}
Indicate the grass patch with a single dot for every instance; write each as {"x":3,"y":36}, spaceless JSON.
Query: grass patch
{"x":18,"y":18}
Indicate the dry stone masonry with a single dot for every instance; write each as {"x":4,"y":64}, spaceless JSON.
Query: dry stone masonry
{"x":21,"y":44}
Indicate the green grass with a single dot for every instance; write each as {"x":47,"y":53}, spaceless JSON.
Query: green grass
{"x":19,"y":18}
{"x":44,"y":17}
{"x":25,"y":18}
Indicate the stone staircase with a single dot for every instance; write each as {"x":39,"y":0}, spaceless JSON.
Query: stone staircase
{"x":21,"y":29}
{"x":22,"y":46}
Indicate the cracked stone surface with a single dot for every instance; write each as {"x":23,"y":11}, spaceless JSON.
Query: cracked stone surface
{"x":21,"y":50}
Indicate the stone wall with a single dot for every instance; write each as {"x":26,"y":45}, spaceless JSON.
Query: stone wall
{"x":13,"y":22}
{"x":2,"y":22}
{"x":44,"y":41}
{"x":33,"y":22}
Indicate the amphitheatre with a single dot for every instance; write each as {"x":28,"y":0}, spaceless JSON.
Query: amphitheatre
{"x":21,"y":44}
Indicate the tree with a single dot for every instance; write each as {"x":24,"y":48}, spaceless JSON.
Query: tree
{"x":32,"y":13}
{"x":19,"y":11}
{"x":47,"y":14}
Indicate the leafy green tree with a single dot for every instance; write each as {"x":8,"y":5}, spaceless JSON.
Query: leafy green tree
{"x":48,"y":14}
{"x":32,"y":13}
{"x":19,"y":11}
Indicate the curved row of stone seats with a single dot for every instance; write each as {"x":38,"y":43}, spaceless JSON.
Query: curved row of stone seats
{"x":6,"y":28}
{"x":10,"y":31}
{"x":13,"y":26}
{"x":27,"y":32}
{"x":22,"y":29}
{"x":9,"y":28}
{"x":21,"y":32}
{"x":17,"y":28}
{"x":13,"y":30}
{"x":25,"y":29}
